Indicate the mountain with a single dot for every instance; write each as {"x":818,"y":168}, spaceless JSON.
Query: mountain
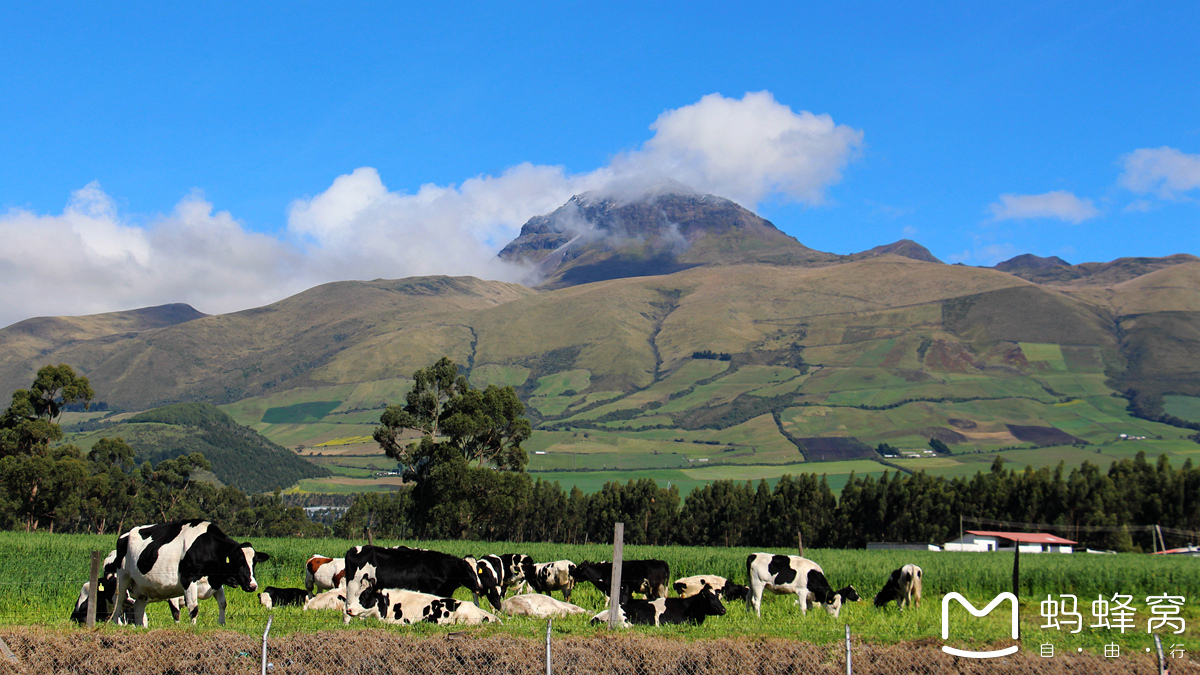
{"x":594,"y":237}
{"x":905,"y":247}
{"x":1055,"y":270}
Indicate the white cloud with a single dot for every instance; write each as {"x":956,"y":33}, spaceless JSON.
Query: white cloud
{"x":1165,"y":172}
{"x":88,"y":260}
{"x":1058,"y":205}
{"x":745,"y":149}
{"x":91,"y":258}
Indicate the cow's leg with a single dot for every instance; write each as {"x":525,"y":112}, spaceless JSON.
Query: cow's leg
{"x":219,"y":594}
{"x":119,"y":598}
{"x":567,"y":592}
{"x":754,"y":596}
{"x":173,"y":603}
{"x":802,"y":600}
{"x":191,"y":598}
{"x":139,"y":612}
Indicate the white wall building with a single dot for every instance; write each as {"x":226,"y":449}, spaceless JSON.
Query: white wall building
{"x":1030,"y":542}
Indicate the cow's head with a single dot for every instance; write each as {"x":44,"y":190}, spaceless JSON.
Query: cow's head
{"x":238,"y":567}
{"x":371,"y":601}
{"x":849,"y":594}
{"x":709,"y":602}
{"x":734,"y":591}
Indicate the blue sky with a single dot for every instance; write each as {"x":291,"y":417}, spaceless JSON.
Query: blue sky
{"x":228,"y":155}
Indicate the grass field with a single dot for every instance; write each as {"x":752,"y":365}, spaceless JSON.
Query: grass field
{"x":42,"y":574}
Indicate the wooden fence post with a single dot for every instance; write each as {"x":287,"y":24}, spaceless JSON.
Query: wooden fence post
{"x":614,"y":594}
{"x":93,"y":583}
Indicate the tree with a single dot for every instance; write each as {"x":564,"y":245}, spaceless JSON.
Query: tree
{"x":485,"y":427}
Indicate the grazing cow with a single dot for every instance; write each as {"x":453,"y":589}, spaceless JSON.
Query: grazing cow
{"x":689,"y":586}
{"x":501,"y":572}
{"x":323,"y":574}
{"x":395,"y":605}
{"x":551,"y":576}
{"x":539,"y":606}
{"x":903,"y":586}
{"x":787,"y":574}
{"x":168,"y":560}
{"x":668,"y":610}
{"x":637,"y":576}
{"x":334,"y":599}
{"x":409,"y":569}
{"x":272,"y":597}
{"x":107,"y":590}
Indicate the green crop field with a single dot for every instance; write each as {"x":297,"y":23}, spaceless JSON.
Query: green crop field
{"x":43,"y":574}
{"x":1187,"y":407}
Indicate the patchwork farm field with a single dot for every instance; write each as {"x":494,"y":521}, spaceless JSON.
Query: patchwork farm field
{"x":43,"y":573}
{"x":704,"y":419}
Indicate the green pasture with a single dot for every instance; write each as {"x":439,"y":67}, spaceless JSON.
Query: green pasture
{"x":555,"y":385}
{"x":1186,"y":407}
{"x":43,"y":574}
{"x":501,"y":376}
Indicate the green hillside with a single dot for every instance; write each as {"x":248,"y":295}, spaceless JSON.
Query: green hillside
{"x":239,"y":456}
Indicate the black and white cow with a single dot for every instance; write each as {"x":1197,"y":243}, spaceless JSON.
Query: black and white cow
{"x":903,"y":586}
{"x":692,"y":610}
{"x":432,"y":572}
{"x":168,"y":560}
{"x":501,"y":572}
{"x":725,"y":589}
{"x":791,"y":574}
{"x":551,"y":576}
{"x":637,"y":576}
{"x":332,"y":599}
{"x":539,"y":606}
{"x":396,"y":605}
{"x":272,"y":597}
{"x":106,"y":590}
{"x":323,"y":574}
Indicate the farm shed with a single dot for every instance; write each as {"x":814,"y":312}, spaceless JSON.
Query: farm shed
{"x":1030,"y":542}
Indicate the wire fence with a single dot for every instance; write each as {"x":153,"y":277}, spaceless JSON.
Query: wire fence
{"x":481,"y":652}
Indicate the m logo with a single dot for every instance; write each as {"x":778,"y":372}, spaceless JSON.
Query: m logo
{"x":977,"y":612}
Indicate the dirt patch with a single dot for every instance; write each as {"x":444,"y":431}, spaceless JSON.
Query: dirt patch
{"x":913,"y":375}
{"x":831,"y":449}
{"x":949,"y":357}
{"x":1043,"y":435}
{"x":943,"y":434}
{"x":962,"y":424}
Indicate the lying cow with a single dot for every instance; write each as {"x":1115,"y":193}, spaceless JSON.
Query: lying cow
{"x":394,"y":605}
{"x":791,"y":574}
{"x":168,"y":560}
{"x":501,"y":572}
{"x":903,"y":586}
{"x":334,"y":599}
{"x":323,"y":574}
{"x":637,"y":576}
{"x":693,"y":610}
{"x":539,"y":606}
{"x":433,"y":572}
{"x":546,"y":577}
{"x":689,"y":586}
{"x":272,"y":597}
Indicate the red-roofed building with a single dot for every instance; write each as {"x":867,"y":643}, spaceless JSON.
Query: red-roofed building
{"x":1030,"y":542}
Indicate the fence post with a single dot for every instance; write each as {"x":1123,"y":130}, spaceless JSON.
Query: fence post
{"x":614,"y":590}
{"x":800,"y":542}
{"x":849,"y":671}
{"x":549,"y":621}
{"x":1162,"y":662}
{"x":268,"y":630}
{"x":93,"y":591}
